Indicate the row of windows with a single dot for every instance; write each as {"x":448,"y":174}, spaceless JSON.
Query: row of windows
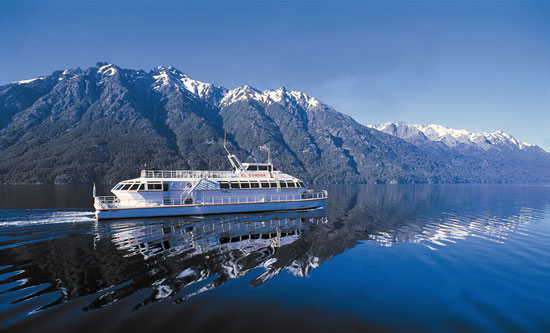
{"x":261,"y":184}
{"x":260,"y":168}
{"x":245,"y":184}
{"x":141,"y":187}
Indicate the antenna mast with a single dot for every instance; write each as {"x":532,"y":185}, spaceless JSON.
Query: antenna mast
{"x":266,"y":147}
{"x":235,"y":163}
{"x":224,"y":138}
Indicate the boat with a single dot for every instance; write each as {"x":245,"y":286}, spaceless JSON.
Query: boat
{"x":248,"y":187}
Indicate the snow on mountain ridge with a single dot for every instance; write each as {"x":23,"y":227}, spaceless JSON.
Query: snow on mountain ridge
{"x":29,"y":80}
{"x":166,"y":76}
{"x":242,"y":93}
{"x":453,"y":137}
{"x":108,"y":69}
{"x":283,"y":96}
{"x":280,"y":96}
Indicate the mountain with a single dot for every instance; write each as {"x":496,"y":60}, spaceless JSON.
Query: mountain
{"x":479,"y":156}
{"x":460,"y":140}
{"x":103,"y":123}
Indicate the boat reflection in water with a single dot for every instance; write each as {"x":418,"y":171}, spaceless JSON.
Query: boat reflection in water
{"x":192,"y":255}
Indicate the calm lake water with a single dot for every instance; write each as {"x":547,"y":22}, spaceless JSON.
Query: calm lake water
{"x":412,"y":257}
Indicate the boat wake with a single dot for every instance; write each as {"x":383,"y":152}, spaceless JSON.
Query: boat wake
{"x":24,"y":217}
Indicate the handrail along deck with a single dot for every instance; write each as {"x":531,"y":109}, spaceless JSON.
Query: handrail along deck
{"x":185,"y":174}
{"x":112,"y":202}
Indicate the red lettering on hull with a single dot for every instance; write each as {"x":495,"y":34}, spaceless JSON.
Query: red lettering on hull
{"x":254,"y":175}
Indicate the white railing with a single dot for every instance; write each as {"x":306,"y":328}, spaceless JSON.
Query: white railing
{"x":113,"y":202}
{"x":185,"y":174}
{"x":107,"y":202}
{"x":262,"y":198}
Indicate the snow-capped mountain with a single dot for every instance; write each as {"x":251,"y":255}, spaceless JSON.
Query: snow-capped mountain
{"x":171,"y":78}
{"x":103,"y":122}
{"x":280,"y":96}
{"x":459,"y":139}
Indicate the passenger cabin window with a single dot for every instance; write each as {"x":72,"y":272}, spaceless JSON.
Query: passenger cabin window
{"x":282,"y":183}
{"x":265,"y":184}
{"x":252,"y":168}
{"x":141,"y":187}
{"x":291,"y":184}
{"x":118,"y":187}
{"x":133,"y":187}
{"x":245,"y":185}
{"x":224,"y":185}
{"x":125,"y":187}
{"x":272,"y":184}
{"x":154,"y":187}
{"x":254,"y":184}
{"x":262,"y":168}
{"x":235,"y":185}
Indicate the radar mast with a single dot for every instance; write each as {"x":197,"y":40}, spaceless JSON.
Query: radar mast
{"x":237,"y":166}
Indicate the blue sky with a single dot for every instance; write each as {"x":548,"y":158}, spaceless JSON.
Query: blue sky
{"x":479,"y":65}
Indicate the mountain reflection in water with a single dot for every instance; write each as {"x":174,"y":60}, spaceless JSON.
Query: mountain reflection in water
{"x":52,"y":257}
{"x":435,"y":216}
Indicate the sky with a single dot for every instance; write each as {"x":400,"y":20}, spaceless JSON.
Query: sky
{"x":477,"y":65}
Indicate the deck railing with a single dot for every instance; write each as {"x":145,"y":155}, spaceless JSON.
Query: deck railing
{"x":262,"y":198}
{"x":185,"y":174}
{"x":106,"y":202}
{"x":112,"y":202}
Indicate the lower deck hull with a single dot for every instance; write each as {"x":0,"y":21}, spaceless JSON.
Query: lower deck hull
{"x":200,"y":209}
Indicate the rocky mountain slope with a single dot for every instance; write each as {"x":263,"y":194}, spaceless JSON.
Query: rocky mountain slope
{"x":103,"y":123}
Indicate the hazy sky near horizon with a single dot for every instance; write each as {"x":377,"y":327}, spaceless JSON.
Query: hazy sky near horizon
{"x":478,"y":65}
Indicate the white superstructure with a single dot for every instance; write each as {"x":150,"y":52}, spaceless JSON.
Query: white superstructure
{"x":248,"y":187}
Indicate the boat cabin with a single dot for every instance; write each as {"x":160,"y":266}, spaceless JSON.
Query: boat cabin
{"x":259,"y":167}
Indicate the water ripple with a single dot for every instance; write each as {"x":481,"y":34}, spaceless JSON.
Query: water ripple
{"x":448,"y":228}
{"x":52,"y":258}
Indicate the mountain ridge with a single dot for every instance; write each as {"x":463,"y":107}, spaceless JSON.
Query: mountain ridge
{"x":102,"y":123}
{"x":453,"y":137}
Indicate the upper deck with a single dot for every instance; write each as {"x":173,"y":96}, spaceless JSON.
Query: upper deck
{"x":187,"y":174}
{"x":260,"y":170}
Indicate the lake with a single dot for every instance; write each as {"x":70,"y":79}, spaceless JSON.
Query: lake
{"x":379,"y":257}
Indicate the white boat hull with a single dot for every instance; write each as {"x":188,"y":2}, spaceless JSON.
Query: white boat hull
{"x":206,"y":209}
